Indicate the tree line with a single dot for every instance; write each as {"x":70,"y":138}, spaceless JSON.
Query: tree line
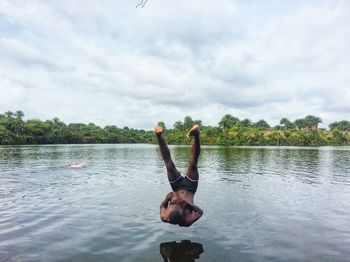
{"x":14,"y":130}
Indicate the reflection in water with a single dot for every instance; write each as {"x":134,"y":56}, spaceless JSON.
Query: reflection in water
{"x":185,"y":251}
{"x":235,"y":162}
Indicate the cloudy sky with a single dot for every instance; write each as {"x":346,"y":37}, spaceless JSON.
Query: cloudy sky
{"x":109,"y":62}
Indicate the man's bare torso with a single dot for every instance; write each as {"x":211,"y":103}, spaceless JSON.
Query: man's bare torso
{"x":185,"y":195}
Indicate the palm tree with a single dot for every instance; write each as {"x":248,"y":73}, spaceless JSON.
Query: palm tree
{"x":286,"y":123}
{"x":299,"y":123}
{"x":341,"y":125}
{"x":19,"y":114}
{"x":228,"y":121}
{"x":312,"y":122}
{"x":245,"y":123}
{"x":8,"y":114}
{"x":262,"y":124}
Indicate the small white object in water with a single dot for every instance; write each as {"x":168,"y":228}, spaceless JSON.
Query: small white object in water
{"x":78,"y":164}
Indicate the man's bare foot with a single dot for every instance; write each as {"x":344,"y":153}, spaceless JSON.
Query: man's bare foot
{"x":193,"y":131}
{"x":158,"y":130}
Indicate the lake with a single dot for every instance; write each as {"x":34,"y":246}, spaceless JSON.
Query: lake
{"x":260,"y":204}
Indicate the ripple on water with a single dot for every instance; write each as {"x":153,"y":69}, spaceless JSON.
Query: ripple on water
{"x":259,"y":204}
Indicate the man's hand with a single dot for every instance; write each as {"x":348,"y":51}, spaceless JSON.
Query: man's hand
{"x":184,"y":204}
{"x":170,"y":195}
{"x":195,"y":213}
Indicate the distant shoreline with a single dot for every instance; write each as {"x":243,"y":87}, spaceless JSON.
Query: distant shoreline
{"x":183,"y":145}
{"x":230,"y":132}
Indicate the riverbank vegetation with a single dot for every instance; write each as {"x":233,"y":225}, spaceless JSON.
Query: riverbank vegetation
{"x":14,"y":130}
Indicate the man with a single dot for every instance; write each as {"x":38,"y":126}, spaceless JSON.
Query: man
{"x":178,"y":207}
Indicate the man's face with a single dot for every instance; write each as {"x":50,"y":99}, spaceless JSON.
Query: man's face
{"x":171,"y":208}
{"x":187,"y":211}
{"x":176,"y":216}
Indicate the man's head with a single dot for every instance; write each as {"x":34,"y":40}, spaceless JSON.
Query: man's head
{"x":176,"y":216}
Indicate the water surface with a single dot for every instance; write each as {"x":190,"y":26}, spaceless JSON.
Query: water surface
{"x":260,"y":204}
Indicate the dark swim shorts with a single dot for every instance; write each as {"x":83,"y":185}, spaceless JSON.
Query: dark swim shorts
{"x":184,"y":182}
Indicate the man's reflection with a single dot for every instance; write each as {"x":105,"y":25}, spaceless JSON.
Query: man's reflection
{"x":185,"y":251}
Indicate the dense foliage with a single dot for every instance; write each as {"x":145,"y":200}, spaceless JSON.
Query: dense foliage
{"x":230,"y":131}
{"x":13,"y":130}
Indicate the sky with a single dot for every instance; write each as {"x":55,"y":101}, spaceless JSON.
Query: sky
{"x":108,"y":62}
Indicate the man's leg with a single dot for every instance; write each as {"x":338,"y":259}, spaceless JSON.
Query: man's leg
{"x":192,"y":172}
{"x":173,"y":173}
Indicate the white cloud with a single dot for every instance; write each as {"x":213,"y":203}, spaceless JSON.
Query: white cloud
{"x":111,"y":63}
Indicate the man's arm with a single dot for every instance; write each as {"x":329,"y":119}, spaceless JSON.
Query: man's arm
{"x":164,"y":206}
{"x":196,"y":213}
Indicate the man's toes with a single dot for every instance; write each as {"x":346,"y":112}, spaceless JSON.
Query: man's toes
{"x":158,"y":129}
{"x":193,"y":131}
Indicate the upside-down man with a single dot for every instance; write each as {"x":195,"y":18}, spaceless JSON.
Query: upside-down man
{"x":178,"y":207}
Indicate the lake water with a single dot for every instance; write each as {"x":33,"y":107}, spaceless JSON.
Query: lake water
{"x":260,"y":204}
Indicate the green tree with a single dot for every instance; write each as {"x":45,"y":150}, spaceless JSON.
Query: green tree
{"x":188,"y":122}
{"x":197,"y":122}
{"x":286,"y":123}
{"x":161,"y":124}
{"x":341,"y":125}
{"x":8,"y":114}
{"x":57,"y":122}
{"x":178,"y":126}
{"x":311,"y":122}
{"x":228,"y":121}
{"x":6,"y":136}
{"x":262,"y":124}
{"x":245,"y":123}
{"x":19,"y":114}
{"x":299,"y":123}
{"x":339,"y":138}
{"x":13,"y":130}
